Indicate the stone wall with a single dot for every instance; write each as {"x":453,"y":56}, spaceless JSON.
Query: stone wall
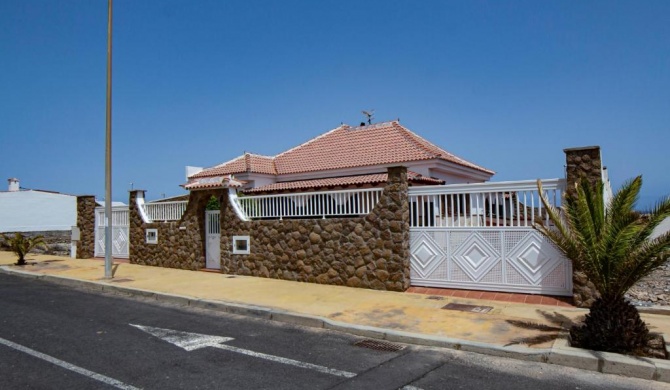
{"x":86,"y":223}
{"x":57,"y":241}
{"x":581,"y":163}
{"x":181,"y":244}
{"x":368,"y":252}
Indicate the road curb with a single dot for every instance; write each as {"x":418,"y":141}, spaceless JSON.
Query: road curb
{"x":559,"y":354}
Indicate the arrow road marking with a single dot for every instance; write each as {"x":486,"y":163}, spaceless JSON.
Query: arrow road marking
{"x":192,"y":341}
{"x":68,"y":366}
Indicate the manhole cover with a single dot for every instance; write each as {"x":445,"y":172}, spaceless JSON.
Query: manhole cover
{"x":470,"y":308}
{"x":379,"y":345}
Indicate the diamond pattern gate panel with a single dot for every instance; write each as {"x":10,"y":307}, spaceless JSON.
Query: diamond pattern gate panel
{"x":480,"y":236}
{"x":120,"y":231}
{"x":496,"y":259}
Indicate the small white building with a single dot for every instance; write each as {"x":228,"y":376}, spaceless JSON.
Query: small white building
{"x":35,"y":210}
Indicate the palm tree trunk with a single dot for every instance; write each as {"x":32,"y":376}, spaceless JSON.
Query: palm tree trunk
{"x":612,"y":325}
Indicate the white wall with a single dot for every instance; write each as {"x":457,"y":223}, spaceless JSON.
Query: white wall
{"x":662,"y":228}
{"x":30,"y":211}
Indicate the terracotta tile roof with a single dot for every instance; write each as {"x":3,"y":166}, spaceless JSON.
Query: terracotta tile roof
{"x":212,"y":182}
{"x":247,"y":162}
{"x":340,"y":182}
{"x":348,"y":147}
{"x":344,"y":147}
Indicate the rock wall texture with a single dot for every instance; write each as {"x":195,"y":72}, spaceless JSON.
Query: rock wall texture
{"x":367,"y":252}
{"x":181,"y":244}
{"x":582,"y":163}
{"x":58,"y":242}
{"x":86,"y":223}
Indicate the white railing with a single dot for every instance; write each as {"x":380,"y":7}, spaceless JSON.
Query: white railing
{"x":323,"y":204}
{"x":504,"y":204}
{"x":119,"y":216}
{"x":165,"y":211}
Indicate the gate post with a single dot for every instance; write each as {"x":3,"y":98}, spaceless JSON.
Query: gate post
{"x":584,"y":162}
{"x":86,"y":224}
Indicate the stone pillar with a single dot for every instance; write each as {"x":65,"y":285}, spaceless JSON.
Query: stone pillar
{"x":136,"y":226}
{"x":397,"y":203}
{"x":86,"y":224}
{"x":584,"y":162}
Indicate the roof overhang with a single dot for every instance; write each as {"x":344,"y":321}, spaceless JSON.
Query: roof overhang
{"x":213,"y":182}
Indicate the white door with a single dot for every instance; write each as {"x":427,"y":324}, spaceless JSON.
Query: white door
{"x":212,"y":239}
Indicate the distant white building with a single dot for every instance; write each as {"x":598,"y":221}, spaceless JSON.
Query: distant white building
{"x":23,"y":210}
{"x":35,"y":210}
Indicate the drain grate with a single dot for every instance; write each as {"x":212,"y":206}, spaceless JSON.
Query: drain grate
{"x":436,"y":298}
{"x":470,"y":308}
{"x":379,"y":345}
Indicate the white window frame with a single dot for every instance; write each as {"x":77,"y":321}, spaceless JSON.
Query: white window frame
{"x":246,"y":251}
{"x":151,"y":236}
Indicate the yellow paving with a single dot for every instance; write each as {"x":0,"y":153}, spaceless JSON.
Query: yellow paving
{"x":415,"y":313}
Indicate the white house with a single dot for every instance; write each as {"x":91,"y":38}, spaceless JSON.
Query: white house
{"x":35,"y":210}
{"x":344,"y":157}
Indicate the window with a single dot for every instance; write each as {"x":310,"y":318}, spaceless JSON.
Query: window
{"x":152,"y":236}
{"x":240,"y":245}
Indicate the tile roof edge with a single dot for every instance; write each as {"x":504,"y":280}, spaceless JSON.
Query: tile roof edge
{"x":413,"y":138}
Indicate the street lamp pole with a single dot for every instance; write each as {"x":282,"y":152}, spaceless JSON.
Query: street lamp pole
{"x":108,"y":150}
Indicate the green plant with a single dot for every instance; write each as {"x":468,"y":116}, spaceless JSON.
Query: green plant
{"x":213,"y":204}
{"x":21,"y":245}
{"x":611,"y":244}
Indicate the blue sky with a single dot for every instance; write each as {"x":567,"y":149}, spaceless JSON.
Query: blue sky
{"x":505,"y":84}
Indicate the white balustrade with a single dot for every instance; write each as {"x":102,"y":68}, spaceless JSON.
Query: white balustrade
{"x":322,"y":204}
{"x":165,"y":211}
{"x":119,"y":216}
{"x":503,"y":204}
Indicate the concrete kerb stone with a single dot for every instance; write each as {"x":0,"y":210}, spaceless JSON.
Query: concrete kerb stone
{"x":608,"y":363}
{"x":9,"y":270}
{"x":298,"y":319}
{"x":560,"y":353}
{"x":359,"y":330}
{"x":662,"y":373}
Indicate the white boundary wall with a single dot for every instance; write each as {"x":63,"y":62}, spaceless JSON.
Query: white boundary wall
{"x":37,"y":211}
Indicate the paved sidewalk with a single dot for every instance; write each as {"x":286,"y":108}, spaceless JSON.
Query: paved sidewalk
{"x":401,"y":317}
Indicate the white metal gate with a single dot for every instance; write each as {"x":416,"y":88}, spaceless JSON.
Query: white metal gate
{"x":480,"y":237}
{"x":120,"y":228}
{"x":212,"y":239}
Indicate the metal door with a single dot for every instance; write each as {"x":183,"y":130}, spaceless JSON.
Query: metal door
{"x":212,"y":239}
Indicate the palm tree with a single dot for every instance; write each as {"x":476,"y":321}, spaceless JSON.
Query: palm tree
{"x":611,"y":244}
{"x":21,"y":245}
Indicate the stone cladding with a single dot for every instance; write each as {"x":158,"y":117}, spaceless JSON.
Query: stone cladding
{"x":581,"y":163}
{"x":57,"y":242}
{"x":366,"y":252}
{"x":86,"y":222}
{"x":181,"y":244}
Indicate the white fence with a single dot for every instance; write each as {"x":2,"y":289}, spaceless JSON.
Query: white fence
{"x":480,"y":236}
{"x":165,"y":211}
{"x":311,"y":204}
{"x":501,"y":204}
{"x":120,"y":226}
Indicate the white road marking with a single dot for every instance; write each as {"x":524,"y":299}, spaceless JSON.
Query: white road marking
{"x":192,"y":341}
{"x":93,"y":375}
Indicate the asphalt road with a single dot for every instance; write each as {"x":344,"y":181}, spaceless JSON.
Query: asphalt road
{"x":53,"y":337}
